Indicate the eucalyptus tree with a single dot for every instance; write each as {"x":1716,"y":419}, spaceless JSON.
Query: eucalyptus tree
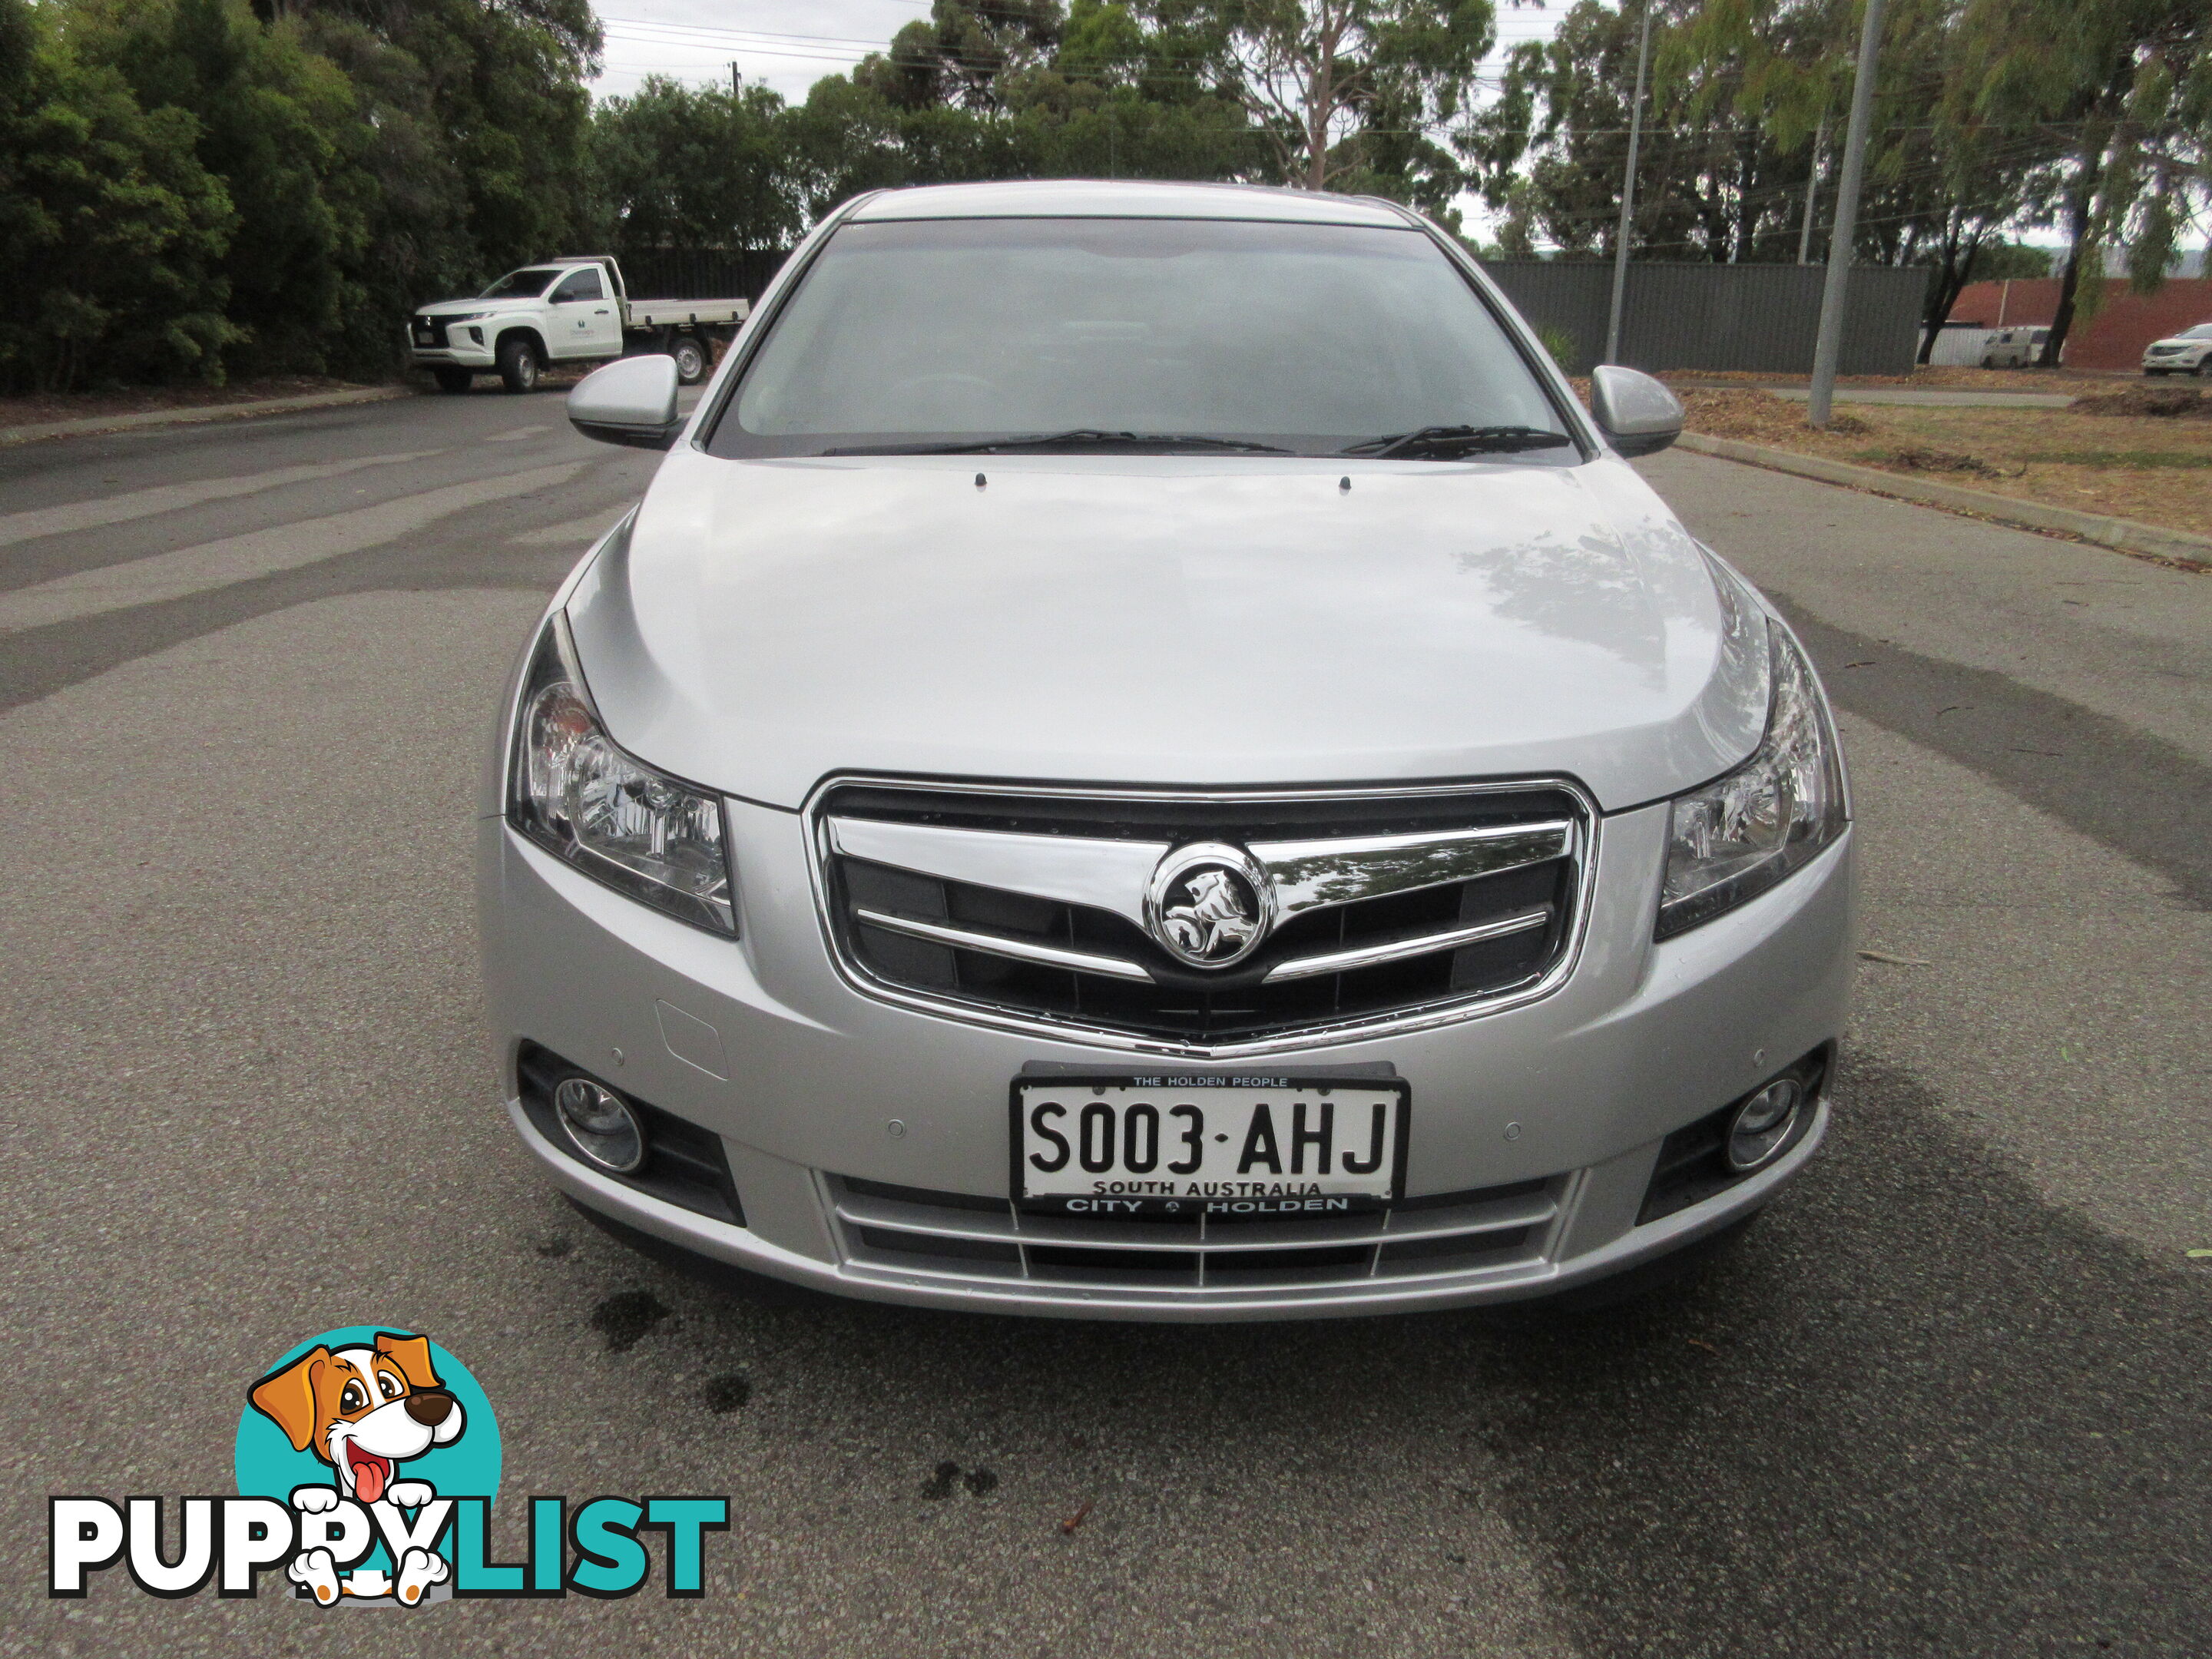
{"x":2122,"y":89}
{"x":1350,"y":87}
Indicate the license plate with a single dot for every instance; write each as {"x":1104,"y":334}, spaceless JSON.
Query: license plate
{"x":423,"y":337}
{"x":1187,"y":1146}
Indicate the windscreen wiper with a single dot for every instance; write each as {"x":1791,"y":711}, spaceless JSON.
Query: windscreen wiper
{"x":1444,"y":442}
{"x":1079,"y":438}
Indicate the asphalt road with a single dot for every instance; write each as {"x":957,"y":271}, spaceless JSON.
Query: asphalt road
{"x":1950,"y":1396}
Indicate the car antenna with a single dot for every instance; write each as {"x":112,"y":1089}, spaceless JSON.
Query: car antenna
{"x":1344,"y":482}
{"x":980,"y":480}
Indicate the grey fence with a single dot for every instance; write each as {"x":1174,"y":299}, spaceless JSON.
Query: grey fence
{"x":1758,"y":317}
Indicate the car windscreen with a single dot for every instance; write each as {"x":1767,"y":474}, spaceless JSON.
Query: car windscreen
{"x":2201,"y":331}
{"x":520,"y":284}
{"x":915,"y":334}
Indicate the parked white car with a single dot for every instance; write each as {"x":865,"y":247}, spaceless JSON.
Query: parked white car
{"x":1144,"y":756}
{"x":2185,"y":352}
{"x":563,"y":311}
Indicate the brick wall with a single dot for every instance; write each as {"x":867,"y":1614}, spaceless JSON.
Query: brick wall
{"x":2115,"y":337}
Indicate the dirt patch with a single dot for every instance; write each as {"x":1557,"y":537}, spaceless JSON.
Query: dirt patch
{"x":38,"y":409}
{"x":2157,"y":403}
{"x":1918,"y":457}
{"x":1946,"y":378}
{"x":1760,"y":416}
{"x":2159,"y":471}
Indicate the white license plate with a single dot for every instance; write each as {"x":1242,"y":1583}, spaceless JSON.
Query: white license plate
{"x":1183,"y":1146}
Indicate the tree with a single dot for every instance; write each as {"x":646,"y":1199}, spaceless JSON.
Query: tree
{"x":965,"y":53}
{"x":1333,"y":82}
{"x":269,"y":114}
{"x":114,"y":230}
{"x":693,"y":168}
{"x":2125,"y":86}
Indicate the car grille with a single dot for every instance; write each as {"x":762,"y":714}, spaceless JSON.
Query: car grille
{"x":2167,"y":350}
{"x":1029,"y":909}
{"x":904,"y":1230}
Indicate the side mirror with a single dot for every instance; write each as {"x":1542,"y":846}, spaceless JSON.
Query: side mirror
{"x":1640,"y":415}
{"x":630,"y":401}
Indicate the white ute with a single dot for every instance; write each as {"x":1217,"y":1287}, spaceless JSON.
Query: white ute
{"x":574,"y":310}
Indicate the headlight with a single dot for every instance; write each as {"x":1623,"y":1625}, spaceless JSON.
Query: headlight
{"x":616,"y":819}
{"x":1738,"y":835}
{"x":451,"y":317}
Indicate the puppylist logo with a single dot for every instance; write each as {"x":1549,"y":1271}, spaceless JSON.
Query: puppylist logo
{"x":367,"y":1461}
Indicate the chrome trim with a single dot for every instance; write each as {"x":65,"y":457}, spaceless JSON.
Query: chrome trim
{"x":1000,"y":945}
{"x":1330,"y":870}
{"x":1391,"y":1226}
{"x":1106,"y":875}
{"x":1447,"y":1012}
{"x":1114,"y":875}
{"x":1404,"y":950}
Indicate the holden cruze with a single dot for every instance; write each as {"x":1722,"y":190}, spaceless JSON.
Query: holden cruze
{"x":1142,"y":757}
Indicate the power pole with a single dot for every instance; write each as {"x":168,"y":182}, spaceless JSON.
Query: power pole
{"x":1812,"y":193}
{"x":1828,"y":347}
{"x":1627,"y":197}
{"x":737,"y":82}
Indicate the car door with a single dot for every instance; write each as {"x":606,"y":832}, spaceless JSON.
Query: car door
{"x":583,"y":321}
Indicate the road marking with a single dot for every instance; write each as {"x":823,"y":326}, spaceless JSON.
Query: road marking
{"x":582,"y":533}
{"x":169,"y":498}
{"x":258,"y":553}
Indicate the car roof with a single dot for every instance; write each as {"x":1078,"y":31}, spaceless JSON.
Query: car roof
{"x":1105,"y":199}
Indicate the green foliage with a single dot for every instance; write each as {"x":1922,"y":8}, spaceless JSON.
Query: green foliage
{"x":203,"y":187}
{"x":681,"y":167}
{"x":115,"y":231}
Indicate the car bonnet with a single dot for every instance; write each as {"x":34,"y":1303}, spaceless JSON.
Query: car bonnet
{"x":1166,"y":620}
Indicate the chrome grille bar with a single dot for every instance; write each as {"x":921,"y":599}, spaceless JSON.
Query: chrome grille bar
{"x":1346,"y":869}
{"x":1106,"y":875}
{"x":1405,"y":950}
{"x":1002,"y":945}
{"x":1111,"y":874}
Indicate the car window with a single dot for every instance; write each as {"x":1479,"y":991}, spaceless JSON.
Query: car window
{"x":525,"y":284}
{"x":1303,"y":336}
{"x":581,"y":285}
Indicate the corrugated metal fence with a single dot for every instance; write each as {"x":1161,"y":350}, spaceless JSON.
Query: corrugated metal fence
{"x":1758,"y":317}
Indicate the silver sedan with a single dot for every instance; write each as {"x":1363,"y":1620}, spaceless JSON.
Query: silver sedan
{"x":1143,"y":757}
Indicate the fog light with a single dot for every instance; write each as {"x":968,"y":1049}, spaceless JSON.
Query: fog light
{"x":1761,"y":1125}
{"x":601,"y":1125}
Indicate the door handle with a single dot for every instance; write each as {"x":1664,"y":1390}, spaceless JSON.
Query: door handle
{"x":601,"y":312}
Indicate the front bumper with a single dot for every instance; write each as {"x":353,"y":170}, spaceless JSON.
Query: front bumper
{"x":467,"y":345}
{"x":1547,"y":1118}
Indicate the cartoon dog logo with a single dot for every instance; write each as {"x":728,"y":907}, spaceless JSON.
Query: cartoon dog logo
{"x":364,"y":1411}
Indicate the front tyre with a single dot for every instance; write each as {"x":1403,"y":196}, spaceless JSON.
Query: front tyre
{"x":454,"y":380}
{"x":691,"y":360}
{"x":517,"y":364}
